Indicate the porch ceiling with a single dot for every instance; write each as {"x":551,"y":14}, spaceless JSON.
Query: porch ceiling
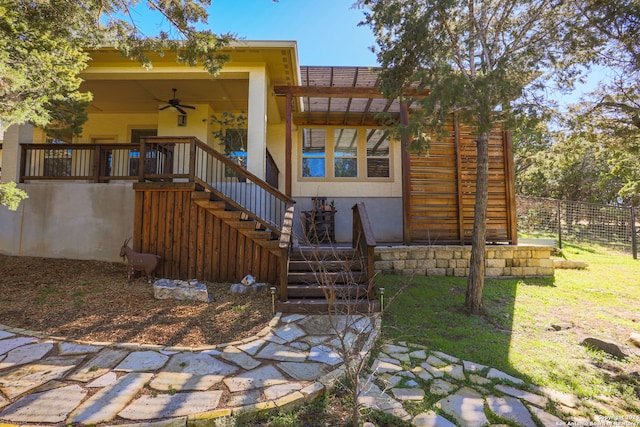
{"x":144,"y":96}
{"x":119,"y":85}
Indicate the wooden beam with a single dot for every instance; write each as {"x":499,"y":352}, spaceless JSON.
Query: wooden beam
{"x":337,"y":119}
{"x":342,"y":91}
{"x":288,"y":146}
{"x":510,"y":187}
{"x":406,"y":177}
{"x":456,"y":142}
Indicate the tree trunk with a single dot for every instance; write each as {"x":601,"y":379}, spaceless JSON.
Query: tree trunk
{"x":475,"y":282}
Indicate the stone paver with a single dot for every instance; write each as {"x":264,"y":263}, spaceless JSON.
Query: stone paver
{"x":71,"y":348}
{"x":27,"y":377}
{"x":165,"y":405}
{"x":532,"y":398}
{"x":7,"y":345}
{"x":408,"y":393}
{"x":306,"y":371}
{"x":499,"y":375}
{"x":99,"y":365}
{"x":512,"y":409}
{"x":141,"y":361}
{"x":105,"y":404}
{"x":261,"y":377}
{"x":240,"y":358}
{"x":431,"y":419}
{"x":188,"y":371}
{"x":51,"y":406}
{"x":282,"y":353}
{"x":292,"y":362}
{"x":325,"y":354}
{"x":26,"y":354}
{"x":466,"y":406}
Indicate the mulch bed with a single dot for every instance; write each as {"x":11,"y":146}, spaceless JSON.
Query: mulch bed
{"x":93,"y":300}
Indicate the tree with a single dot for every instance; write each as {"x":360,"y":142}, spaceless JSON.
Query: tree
{"x":475,"y":58}
{"x":11,"y":196}
{"x":43,"y":48}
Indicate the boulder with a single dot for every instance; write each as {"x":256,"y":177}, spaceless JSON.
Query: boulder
{"x":635,"y":339}
{"x":610,"y":347}
{"x":239,"y":288}
{"x":180,"y":290}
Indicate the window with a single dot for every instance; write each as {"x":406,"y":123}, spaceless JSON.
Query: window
{"x":313,"y":153}
{"x":235,"y":145}
{"x":377,"y":153}
{"x":150,"y":165}
{"x":345,"y":152}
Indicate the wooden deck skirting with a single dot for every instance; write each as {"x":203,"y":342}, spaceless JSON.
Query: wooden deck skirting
{"x":195,"y":243}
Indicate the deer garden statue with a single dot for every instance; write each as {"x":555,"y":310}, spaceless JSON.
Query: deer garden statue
{"x":146,"y":263}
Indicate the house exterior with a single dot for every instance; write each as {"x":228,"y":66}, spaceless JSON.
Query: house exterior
{"x":312,"y":133}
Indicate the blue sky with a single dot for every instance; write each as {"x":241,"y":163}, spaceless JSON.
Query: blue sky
{"x":327,"y":31}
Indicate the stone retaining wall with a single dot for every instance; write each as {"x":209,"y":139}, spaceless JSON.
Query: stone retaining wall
{"x":501,"y":261}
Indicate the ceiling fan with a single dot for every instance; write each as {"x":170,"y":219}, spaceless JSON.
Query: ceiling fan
{"x":175,"y":104}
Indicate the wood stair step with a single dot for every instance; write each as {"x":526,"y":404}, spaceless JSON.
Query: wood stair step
{"x":321,"y":306}
{"x":329,"y":266}
{"x":342,"y":292}
{"x":306,"y":277}
{"x":246,"y":225}
{"x":211,"y":204}
{"x":256,"y":234}
{"x":324,"y":253}
{"x":201,"y":195}
{"x":226,"y":215}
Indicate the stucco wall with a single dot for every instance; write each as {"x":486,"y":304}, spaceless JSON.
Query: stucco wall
{"x":69,"y":220}
{"x":385,"y":216}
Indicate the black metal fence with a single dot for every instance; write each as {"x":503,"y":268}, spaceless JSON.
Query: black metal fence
{"x":613,"y":226}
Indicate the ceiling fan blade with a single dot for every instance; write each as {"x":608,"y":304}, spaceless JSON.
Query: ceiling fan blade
{"x":180,"y":109}
{"x":191,"y":107}
{"x":164,"y":108}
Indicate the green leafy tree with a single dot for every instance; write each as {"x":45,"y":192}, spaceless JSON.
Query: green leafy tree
{"x":11,"y":196}
{"x":475,"y":58}
{"x":43,"y":48}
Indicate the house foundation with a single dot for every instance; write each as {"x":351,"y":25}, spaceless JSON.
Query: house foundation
{"x":501,"y":261}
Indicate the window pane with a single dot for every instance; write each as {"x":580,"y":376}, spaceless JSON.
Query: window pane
{"x":377,"y":153}
{"x":377,"y":143}
{"x":313,"y":153}
{"x":313,"y":167}
{"x":377,"y":167}
{"x":346,"y":168}
{"x":346,"y":142}
{"x":313,"y":142}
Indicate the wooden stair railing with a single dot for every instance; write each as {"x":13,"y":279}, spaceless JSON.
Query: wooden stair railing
{"x":332,"y":279}
{"x":364,"y":241}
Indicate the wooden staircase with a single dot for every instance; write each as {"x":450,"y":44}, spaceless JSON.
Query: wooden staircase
{"x":328,"y":280}
{"x":237,"y":220}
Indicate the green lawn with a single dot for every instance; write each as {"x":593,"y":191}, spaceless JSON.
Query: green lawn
{"x":512,"y":334}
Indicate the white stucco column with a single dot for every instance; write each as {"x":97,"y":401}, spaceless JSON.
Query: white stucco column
{"x":257,"y":122}
{"x":13,"y":137}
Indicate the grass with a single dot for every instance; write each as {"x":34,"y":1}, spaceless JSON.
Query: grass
{"x":512,"y":333}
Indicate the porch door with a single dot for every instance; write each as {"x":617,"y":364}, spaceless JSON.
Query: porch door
{"x":134,"y":157}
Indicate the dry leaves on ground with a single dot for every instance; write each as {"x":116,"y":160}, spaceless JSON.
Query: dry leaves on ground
{"x":92,"y":300}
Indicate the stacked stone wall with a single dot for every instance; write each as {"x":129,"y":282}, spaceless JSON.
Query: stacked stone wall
{"x":501,"y":261}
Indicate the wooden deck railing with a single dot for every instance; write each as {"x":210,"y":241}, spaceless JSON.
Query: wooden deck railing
{"x":364,"y":241}
{"x":159,"y":159}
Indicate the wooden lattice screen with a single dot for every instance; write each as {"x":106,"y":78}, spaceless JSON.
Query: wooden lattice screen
{"x":442,"y":189}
